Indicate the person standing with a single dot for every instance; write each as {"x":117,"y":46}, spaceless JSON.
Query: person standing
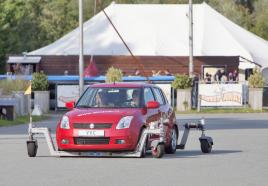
{"x":235,"y":75}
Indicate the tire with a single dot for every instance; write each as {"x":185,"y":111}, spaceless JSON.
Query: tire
{"x":143,"y":153}
{"x":159,"y":151}
{"x":32,"y":148}
{"x":172,"y":146}
{"x":205,"y":146}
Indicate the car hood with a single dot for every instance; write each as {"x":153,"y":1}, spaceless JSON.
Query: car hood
{"x":100,"y":115}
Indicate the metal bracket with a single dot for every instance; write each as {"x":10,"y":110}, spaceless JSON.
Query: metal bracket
{"x":199,"y":126}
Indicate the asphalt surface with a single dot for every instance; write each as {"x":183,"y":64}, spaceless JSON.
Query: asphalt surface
{"x":239,"y":157}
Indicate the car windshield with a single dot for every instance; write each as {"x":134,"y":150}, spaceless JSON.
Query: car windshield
{"x":110,"y":98}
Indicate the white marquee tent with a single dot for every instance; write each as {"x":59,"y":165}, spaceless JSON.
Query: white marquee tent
{"x":162,"y":30}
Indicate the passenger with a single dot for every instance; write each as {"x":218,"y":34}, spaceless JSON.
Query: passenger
{"x":135,"y":98}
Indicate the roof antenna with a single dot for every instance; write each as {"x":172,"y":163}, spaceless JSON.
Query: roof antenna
{"x":136,"y":60}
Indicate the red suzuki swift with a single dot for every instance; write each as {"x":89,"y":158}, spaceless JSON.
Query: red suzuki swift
{"x":111,"y":117}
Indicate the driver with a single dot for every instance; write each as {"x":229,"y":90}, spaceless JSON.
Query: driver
{"x":99,"y":100}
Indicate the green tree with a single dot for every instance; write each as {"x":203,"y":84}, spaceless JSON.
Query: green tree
{"x":260,"y":21}
{"x":26,"y":25}
{"x":18,"y":27}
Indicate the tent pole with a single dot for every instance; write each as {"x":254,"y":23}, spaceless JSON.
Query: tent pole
{"x":81,"y":53}
{"x":191,"y":63}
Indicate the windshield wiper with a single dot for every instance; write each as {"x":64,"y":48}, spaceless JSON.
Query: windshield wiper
{"x":83,"y":106}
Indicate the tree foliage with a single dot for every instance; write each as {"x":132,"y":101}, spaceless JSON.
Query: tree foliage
{"x":39,"y":82}
{"x":181,"y":81}
{"x":113,"y":75}
{"x":256,"y":80}
{"x":26,"y":25}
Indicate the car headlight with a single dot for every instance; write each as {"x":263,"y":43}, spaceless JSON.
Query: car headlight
{"x":124,"y":122}
{"x":64,"y":124}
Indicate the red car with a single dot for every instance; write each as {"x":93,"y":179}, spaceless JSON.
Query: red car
{"x":111,"y":117}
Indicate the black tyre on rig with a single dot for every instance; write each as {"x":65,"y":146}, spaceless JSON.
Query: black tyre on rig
{"x":205,"y":146}
{"x":32,"y":148}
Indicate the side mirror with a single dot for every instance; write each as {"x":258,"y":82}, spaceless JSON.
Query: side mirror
{"x":70,"y":105}
{"x":152,"y":105}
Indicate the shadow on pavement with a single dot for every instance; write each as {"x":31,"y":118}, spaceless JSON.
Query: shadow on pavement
{"x":196,"y":153}
{"x":178,"y":154}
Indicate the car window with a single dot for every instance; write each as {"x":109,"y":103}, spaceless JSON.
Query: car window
{"x":159,"y":96}
{"x":111,"y":98}
{"x":86,"y":99}
{"x":148,"y":95}
{"x":164,"y":97}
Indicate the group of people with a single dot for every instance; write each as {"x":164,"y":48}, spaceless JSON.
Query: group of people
{"x":165,"y":72}
{"x":222,"y":76}
{"x":21,"y":69}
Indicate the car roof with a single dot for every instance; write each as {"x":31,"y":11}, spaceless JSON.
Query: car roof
{"x":121,"y":85}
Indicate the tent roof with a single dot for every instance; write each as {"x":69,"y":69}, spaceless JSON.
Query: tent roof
{"x":161,"y":30}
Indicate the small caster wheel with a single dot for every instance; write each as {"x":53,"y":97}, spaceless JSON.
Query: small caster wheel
{"x":158,"y":152}
{"x":205,"y":146}
{"x":32,"y":148}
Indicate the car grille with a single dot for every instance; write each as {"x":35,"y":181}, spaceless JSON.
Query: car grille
{"x":91,"y":141}
{"x":96,"y":125}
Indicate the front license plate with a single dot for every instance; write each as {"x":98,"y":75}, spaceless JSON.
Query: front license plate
{"x":91,"y":133}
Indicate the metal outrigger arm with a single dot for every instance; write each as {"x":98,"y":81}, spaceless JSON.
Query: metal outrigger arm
{"x":205,"y":141}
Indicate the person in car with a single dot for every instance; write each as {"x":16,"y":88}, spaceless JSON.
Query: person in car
{"x":135,"y":98}
{"x":99,"y":100}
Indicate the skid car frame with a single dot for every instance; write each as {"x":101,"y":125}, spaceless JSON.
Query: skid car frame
{"x":157,"y":146}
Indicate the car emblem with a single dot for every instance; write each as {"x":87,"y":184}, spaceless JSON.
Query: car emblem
{"x":91,"y":125}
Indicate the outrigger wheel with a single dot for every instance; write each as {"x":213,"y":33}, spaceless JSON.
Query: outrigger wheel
{"x":206,"y":144}
{"x":158,"y":152}
{"x":32,"y":147}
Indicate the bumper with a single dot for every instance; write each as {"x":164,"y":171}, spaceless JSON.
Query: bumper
{"x":113,"y":140}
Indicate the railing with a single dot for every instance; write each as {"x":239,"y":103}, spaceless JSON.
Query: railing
{"x":167,"y":80}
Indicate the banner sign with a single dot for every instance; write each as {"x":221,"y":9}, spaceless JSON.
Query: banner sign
{"x":66,"y":93}
{"x":220,"y":95}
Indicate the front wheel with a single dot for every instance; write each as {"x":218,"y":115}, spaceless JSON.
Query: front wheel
{"x":158,"y":152}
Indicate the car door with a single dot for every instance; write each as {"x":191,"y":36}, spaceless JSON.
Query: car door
{"x":165,"y":110}
{"x":159,"y":98}
{"x":152,"y":114}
